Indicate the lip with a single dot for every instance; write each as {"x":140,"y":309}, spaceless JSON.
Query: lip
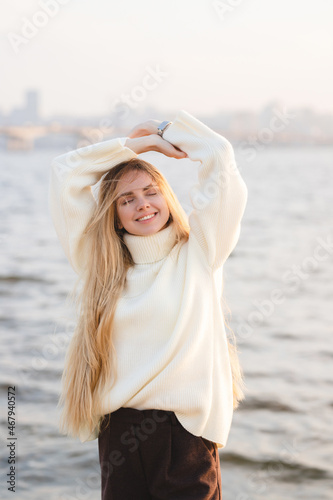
{"x":147,"y":220}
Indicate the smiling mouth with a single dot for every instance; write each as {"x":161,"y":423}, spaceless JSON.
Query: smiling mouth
{"x":146,"y":217}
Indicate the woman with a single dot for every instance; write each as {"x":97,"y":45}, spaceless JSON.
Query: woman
{"x":149,"y":370}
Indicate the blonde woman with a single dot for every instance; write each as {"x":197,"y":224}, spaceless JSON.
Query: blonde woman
{"x":150,"y":371}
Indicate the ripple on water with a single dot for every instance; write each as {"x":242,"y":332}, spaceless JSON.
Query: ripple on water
{"x":289,"y":471}
{"x":251,"y":404}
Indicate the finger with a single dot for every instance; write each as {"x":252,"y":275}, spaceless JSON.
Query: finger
{"x":175,"y":152}
{"x":181,"y":154}
{"x":135,"y":132}
{"x":133,"y":135}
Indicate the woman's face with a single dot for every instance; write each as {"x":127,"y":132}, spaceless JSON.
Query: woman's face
{"x":139,"y":197}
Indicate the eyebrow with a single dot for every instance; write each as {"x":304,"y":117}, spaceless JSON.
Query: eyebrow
{"x":131,"y":192}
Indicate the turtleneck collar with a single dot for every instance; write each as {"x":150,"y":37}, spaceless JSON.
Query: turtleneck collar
{"x":151,"y":248}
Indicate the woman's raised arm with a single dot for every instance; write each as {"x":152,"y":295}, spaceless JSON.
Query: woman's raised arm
{"x":220,"y":197}
{"x":71,"y":201}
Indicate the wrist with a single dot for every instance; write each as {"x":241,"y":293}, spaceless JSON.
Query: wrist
{"x":140,"y":144}
{"x":134,"y":144}
{"x":153,"y":126}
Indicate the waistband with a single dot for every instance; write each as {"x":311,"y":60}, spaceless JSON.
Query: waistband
{"x":134,"y":416}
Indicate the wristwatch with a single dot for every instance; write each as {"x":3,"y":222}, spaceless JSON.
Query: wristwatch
{"x":161,"y":128}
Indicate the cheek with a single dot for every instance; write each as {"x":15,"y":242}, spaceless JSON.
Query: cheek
{"x":165,"y":206}
{"x":162,"y":204}
{"x":122,"y":214}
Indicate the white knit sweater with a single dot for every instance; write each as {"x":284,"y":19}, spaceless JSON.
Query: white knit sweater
{"x":169,"y":333}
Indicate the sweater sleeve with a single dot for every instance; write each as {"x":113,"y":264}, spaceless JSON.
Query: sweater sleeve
{"x":71,"y":200}
{"x":219,"y":198}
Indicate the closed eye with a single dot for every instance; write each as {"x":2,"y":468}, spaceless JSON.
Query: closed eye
{"x":151,"y":193}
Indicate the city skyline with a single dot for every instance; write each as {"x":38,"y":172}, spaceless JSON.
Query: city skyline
{"x":205,"y":57}
{"x":29,"y":110}
{"x":24,"y":128}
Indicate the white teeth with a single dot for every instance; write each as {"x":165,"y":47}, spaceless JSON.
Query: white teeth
{"x":147,"y":217}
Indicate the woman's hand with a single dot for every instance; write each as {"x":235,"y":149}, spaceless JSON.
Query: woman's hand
{"x":154,"y":142}
{"x":146,"y":128}
{"x":144,"y":137}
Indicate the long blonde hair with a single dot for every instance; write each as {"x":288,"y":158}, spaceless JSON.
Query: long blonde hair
{"x":90,"y":362}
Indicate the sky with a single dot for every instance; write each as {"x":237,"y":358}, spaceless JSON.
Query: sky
{"x":204,"y":56}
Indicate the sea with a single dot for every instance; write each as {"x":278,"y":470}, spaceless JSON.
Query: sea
{"x":278,"y":287}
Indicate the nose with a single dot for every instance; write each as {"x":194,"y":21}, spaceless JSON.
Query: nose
{"x":142,"y":203}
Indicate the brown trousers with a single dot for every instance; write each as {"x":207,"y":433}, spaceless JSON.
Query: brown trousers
{"x":149,"y":455}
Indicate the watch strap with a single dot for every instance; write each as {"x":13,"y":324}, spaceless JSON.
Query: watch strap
{"x":161,"y":128}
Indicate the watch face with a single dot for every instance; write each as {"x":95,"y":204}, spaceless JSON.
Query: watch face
{"x":162,"y":127}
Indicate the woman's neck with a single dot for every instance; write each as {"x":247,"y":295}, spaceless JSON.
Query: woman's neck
{"x":153,"y":247}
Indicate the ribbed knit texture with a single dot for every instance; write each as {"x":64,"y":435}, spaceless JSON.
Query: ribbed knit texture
{"x":169,"y":332}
